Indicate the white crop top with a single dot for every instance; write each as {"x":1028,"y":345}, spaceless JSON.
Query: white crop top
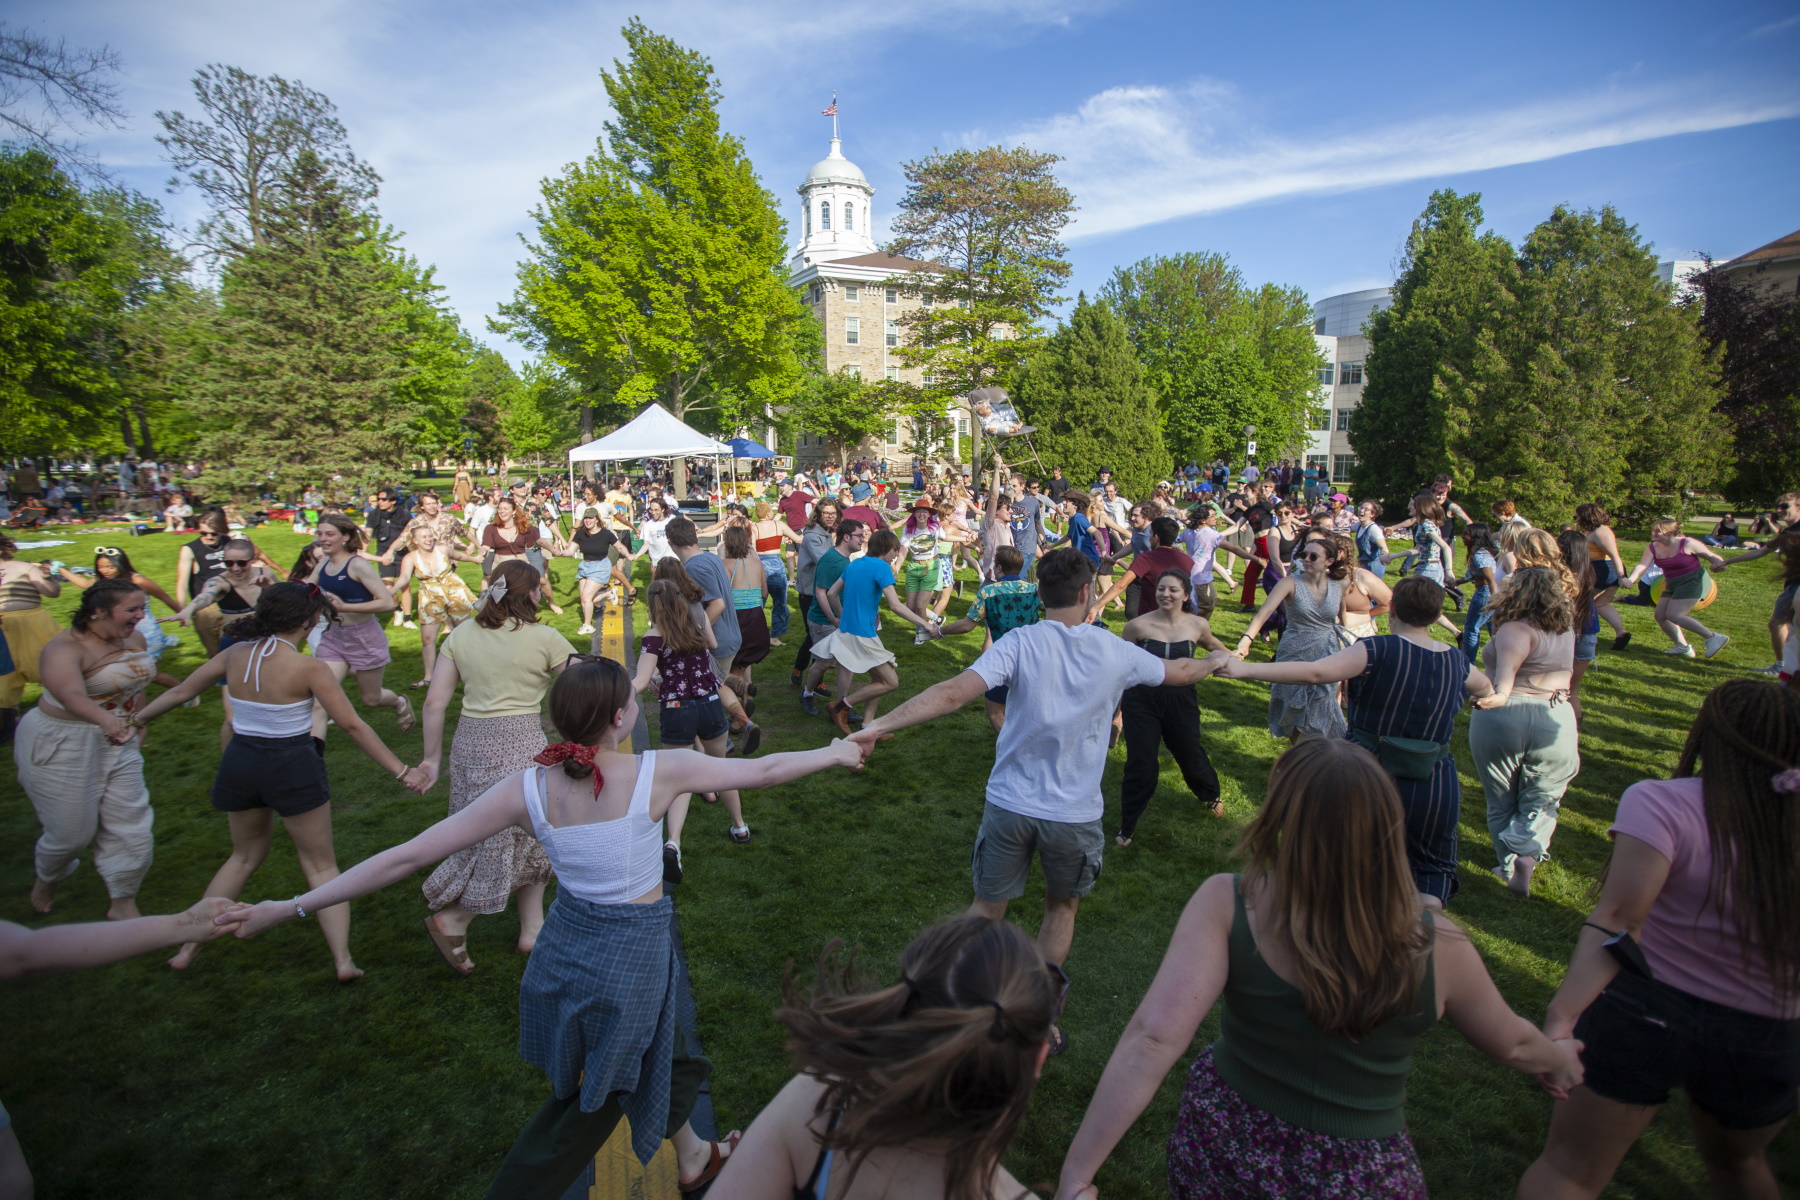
{"x":603,"y":862}
{"x":256,"y":719}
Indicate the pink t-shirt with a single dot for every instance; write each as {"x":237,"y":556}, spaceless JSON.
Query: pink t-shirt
{"x":1689,"y":942}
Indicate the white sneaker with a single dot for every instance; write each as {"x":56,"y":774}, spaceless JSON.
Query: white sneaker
{"x":919,"y":637}
{"x":584,"y":630}
{"x":1681,"y":651}
{"x":1716,"y":643}
{"x":1771,"y":669}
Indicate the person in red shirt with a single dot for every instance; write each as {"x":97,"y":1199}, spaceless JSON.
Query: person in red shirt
{"x":1163,"y":555}
{"x":794,"y":504}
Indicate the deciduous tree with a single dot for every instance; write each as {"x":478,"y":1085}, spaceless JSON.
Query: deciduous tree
{"x":1755,"y":333}
{"x":656,"y":273}
{"x":990,"y":223}
{"x":1219,"y":353}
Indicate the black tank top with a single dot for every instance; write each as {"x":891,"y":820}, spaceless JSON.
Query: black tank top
{"x":208,"y":562}
{"x":1172,"y":651}
{"x":231,"y":602}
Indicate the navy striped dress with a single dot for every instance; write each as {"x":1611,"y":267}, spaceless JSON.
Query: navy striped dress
{"x":1411,"y":692}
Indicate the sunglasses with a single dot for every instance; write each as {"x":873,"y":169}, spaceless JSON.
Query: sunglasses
{"x":235,"y":562}
{"x":1310,"y":556}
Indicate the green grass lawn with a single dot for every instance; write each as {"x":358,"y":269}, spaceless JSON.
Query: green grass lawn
{"x":256,"y":1074}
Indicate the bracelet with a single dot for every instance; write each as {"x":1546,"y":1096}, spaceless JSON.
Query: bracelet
{"x":403,"y":771}
{"x":298,"y":911}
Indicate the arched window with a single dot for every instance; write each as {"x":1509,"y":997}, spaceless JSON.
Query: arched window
{"x":824,"y":214}
{"x":849,"y":217}
{"x":808,"y":209}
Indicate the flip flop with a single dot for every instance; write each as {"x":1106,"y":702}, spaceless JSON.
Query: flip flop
{"x":450,"y":947}
{"x":715,"y":1163}
{"x":420,"y":684}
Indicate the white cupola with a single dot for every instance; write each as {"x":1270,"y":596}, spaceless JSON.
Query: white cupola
{"x":834,"y":219}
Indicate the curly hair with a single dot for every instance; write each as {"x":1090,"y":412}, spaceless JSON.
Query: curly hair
{"x":1536,"y":548}
{"x":100,"y":600}
{"x":1338,"y":564}
{"x":1536,"y":596}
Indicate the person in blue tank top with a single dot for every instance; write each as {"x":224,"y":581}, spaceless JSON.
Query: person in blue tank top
{"x":1330,"y":970}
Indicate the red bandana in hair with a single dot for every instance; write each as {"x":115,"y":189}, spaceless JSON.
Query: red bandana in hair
{"x":584,"y":755}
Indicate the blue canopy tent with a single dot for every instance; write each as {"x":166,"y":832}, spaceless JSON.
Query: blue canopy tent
{"x":746,"y":448}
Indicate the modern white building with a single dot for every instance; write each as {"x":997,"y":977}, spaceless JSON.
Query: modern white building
{"x":1338,"y":323}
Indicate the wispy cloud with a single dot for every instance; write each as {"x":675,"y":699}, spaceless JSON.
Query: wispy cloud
{"x":1776,"y":26}
{"x":1137,"y":156}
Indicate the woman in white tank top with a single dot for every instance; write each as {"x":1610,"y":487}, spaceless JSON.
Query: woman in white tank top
{"x":597,"y":1004}
{"x":272,"y":765}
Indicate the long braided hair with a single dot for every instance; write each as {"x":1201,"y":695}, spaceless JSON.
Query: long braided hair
{"x":1747,"y":733}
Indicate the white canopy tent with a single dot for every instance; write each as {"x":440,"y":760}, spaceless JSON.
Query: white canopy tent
{"x":653,"y":433}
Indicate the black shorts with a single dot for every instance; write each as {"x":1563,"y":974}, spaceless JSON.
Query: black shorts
{"x":388,"y":570}
{"x":1644,"y":1038}
{"x":684,"y":721}
{"x":1604,"y":575}
{"x":282,"y":773}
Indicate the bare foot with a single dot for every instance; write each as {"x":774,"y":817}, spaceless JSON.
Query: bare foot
{"x":185,"y":958}
{"x":1122,"y":840}
{"x":347,"y":971}
{"x":123,"y":908}
{"x":43,"y":895}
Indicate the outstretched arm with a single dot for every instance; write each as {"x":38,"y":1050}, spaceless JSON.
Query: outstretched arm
{"x":682,"y":771}
{"x":57,"y":948}
{"x":935,"y":701}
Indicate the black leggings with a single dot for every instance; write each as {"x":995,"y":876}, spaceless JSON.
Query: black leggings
{"x":1154,"y":715}
{"x":803,"y":656}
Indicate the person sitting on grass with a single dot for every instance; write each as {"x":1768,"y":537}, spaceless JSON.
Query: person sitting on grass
{"x":916,"y":1088}
{"x":597,"y":1004}
{"x":1330,"y":970}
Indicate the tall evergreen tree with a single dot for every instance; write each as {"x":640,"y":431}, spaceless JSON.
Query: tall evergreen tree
{"x":1219,"y":353}
{"x":1455,"y":283}
{"x":657,"y":273}
{"x":1086,"y":392}
{"x":308,"y":379}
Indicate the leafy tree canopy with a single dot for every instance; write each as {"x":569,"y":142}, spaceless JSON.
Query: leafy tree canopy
{"x":1219,"y":353}
{"x":1754,"y":332}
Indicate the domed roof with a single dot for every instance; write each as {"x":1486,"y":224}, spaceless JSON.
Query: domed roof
{"x":835,"y":168}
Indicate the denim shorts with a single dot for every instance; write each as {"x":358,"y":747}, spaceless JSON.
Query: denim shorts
{"x":1784,"y":603}
{"x":597,"y":569}
{"x":698,"y":718}
{"x":1644,"y":1038}
{"x":1587,"y":647}
{"x":1006,"y":842}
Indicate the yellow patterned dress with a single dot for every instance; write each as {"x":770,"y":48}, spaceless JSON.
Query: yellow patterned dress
{"x":444,"y":599}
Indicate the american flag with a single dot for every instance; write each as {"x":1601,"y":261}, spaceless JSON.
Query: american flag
{"x":832,"y":111}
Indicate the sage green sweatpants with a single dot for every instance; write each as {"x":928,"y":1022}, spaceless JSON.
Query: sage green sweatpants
{"x":1526,"y":753}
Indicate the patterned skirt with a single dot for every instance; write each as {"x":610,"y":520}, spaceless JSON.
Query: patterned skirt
{"x":1225,"y":1148}
{"x":480,"y":878}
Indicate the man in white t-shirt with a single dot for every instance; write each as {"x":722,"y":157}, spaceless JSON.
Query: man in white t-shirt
{"x":1065,"y":678}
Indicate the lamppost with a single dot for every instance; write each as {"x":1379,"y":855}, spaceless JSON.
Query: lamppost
{"x":1249,"y":443}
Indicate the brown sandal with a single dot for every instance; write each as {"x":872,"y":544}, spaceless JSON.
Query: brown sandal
{"x":715,"y":1163}
{"x":450,"y":947}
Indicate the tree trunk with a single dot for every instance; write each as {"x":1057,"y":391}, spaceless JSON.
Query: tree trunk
{"x":146,"y":443}
{"x":125,"y":435}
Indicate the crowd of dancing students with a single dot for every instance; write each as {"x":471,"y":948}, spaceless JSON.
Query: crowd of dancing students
{"x":1329,"y":948}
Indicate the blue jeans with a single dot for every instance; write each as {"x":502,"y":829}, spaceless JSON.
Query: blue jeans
{"x":1474,"y":617}
{"x":776,"y":570}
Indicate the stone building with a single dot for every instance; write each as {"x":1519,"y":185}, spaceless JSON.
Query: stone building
{"x":850,"y":285}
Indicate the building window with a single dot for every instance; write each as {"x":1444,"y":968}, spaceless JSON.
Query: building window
{"x":962,"y":426}
{"x":852,"y":292}
{"x":893,"y":374}
{"x":893,"y":295}
{"x":1325,"y":374}
{"x":893,"y":333}
{"x":853,"y":371}
{"x":1316,"y":461}
{"x":849,"y":217}
{"x":824,"y":214}
{"x":1350,"y":372}
{"x":1343,"y":422}
{"x":893,"y":434}
{"x":1342,"y":465}
{"x":925,"y":299}
{"x":852,"y":331}
{"x":1321,"y":420}
{"x":807,"y":209}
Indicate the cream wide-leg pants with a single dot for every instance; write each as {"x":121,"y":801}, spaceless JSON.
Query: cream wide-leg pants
{"x":85,"y":790}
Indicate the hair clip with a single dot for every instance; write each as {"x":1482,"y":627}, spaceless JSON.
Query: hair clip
{"x":493,"y":592}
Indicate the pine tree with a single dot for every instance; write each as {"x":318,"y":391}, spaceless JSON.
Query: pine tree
{"x":1428,"y":355}
{"x":309,"y":378}
{"x":1086,"y":393}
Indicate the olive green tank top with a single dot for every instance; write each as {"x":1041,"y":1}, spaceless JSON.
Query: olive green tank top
{"x":1275,"y":1058}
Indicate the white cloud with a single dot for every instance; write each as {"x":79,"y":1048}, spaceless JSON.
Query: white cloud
{"x":1776,"y":26}
{"x":1137,"y":156}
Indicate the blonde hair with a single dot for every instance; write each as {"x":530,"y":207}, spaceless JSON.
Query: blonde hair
{"x":1536,"y":548}
{"x":1664,"y":524}
{"x":1537,"y":597}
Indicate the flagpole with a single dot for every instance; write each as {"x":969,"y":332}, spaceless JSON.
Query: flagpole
{"x":834,"y":128}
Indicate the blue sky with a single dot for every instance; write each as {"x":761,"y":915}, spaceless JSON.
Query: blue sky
{"x":1300,"y":138}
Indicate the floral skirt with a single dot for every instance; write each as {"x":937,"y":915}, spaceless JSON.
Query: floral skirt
{"x":480,"y":878}
{"x":1225,"y":1148}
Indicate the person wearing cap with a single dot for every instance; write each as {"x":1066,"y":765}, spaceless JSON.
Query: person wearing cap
{"x":1104,"y":477}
